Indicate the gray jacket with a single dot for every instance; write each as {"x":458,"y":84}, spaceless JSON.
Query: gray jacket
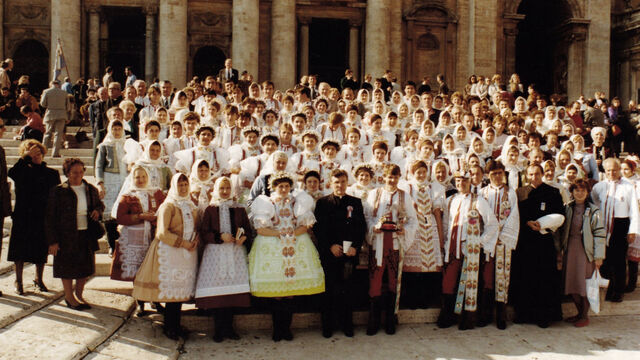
{"x":593,"y":232}
{"x":57,"y":103}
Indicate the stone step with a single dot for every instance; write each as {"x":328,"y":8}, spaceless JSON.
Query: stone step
{"x":245,"y":322}
{"x":71,"y":152}
{"x":138,"y":339}
{"x":12,"y":130}
{"x":88,"y":160}
{"x":103,"y":265}
{"x":14,"y":307}
{"x":57,"y":332}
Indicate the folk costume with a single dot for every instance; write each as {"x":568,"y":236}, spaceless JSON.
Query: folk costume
{"x":223,"y":278}
{"x":470,"y":227}
{"x":497,"y":270}
{"x":387,"y":249}
{"x":168,"y":271}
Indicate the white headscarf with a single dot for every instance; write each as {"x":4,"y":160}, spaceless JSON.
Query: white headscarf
{"x":174,"y":197}
{"x":109,"y":139}
{"x":130,"y":188}
{"x":271,"y":162}
{"x":216,"y":200}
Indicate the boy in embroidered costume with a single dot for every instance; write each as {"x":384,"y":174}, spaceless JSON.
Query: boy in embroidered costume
{"x":504,"y":202}
{"x":391,"y":219}
{"x":470,"y":225}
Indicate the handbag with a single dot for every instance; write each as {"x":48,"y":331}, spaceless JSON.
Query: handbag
{"x":593,"y":290}
{"x":95,"y":228}
{"x":616,"y":130}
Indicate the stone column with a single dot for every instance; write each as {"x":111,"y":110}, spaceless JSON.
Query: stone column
{"x":66,"y":22}
{"x":94,"y":41}
{"x":396,"y":59}
{"x":172,"y":41}
{"x":150,"y":43}
{"x":575,"y":66}
{"x":510,"y":33}
{"x":377,"y":37}
{"x":283,"y":43}
{"x":598,"y":47}
{"x":2,"y":30}
{"x":303,"y":65}
{"x":245,"y":35}
{"x":354,"y":47}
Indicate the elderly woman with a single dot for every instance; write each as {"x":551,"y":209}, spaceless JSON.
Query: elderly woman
{"x":223,"y":279}
{"x":73,"y":229}
{"x":33,"y":181}
{"x":130,"y":121}
{"x":581,"y":248}
{"x":168,"y":271}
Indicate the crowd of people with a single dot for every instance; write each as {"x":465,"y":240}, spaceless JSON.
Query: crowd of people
{"x":228,"y":191}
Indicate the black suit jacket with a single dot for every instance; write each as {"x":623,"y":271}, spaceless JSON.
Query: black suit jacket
{"x":222,"y":75}
{"x":334,"y":225}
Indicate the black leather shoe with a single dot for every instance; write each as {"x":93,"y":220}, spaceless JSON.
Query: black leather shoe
{"x":171,"y":334}
{"x":78,"y":307}
{"x":40,"y":285}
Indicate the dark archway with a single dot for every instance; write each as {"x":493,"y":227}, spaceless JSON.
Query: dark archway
{"x":126,"y":43}
{"x":32,"y":58}
{"x":541,"y":55}
{"x":208,"y":60}
{"x":328,"y":49}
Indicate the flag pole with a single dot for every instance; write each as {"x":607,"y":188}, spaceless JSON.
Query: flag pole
{"x":66,"y":67}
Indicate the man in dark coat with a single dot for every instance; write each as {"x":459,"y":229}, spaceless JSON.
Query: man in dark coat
{"x":536,"y":281}
{"x":5,"y":195}
{"x":340,"y":222}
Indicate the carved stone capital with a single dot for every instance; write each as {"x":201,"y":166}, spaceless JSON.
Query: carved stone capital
{"x":93,"y":9}
{"x":304,"y":20}
{"x":150,"y":10}
{"x":355,"y":23}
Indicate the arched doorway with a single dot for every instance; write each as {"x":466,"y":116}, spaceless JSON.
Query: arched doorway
{"x":328,"y":49}
{"x":208,"y":60}
{"x":126,"y":42}
{"x":541,"y":49}
{"x":32,"y":58}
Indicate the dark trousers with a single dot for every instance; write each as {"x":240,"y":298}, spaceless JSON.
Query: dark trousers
{"x":451,"y":275}
{"x":390,"y":262}
{"x":339,"y":294}
{"x":172,"y":315}
{"x":615,"y":264}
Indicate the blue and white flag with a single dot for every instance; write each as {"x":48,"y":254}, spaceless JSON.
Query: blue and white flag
{"x":59,"y":64}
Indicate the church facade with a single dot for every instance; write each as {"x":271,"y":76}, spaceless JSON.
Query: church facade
{"x":570,"y":47}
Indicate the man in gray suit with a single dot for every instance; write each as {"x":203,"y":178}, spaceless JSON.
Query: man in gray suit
{"x":56,"y":101}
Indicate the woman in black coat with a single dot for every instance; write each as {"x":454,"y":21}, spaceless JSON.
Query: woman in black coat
{"x":33,"y":180}
{"x":73,"y":229}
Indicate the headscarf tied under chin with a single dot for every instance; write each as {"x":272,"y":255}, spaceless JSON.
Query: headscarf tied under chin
{"x":216,"y":200}
{"x":173,"y":196}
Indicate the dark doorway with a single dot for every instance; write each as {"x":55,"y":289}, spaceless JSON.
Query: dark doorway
{"x":328,"y":49}
{"x":126,"y":42}
{"x":32,"y":58}
{"x":208,"y":61}
{"x":541,"y":56}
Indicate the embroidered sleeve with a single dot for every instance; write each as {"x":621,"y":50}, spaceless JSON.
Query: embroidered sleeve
{"x":489,"y":236}
{"x":262,"y":212}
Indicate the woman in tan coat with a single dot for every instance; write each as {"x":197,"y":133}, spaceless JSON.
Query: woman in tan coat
{"x":168,"y":272}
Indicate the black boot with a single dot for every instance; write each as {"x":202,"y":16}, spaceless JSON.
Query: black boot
{"x":486,"y":308}
{"x":467,"y":320}
{"x":374,"y":316}
{"x":501,"y":315}
{"x":141,"y":311}
{"x":287,"y":317}
{"x":633,"y":276}
{"x":327,"y":322}
{"x":447,"y":317}
{"x":390,"y":314}
{"x":218,"y":325}
{"x":276,"y":315}
{"x":229,"y":332}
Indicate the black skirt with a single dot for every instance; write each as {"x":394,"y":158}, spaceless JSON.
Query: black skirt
{"x":75,"y":261}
